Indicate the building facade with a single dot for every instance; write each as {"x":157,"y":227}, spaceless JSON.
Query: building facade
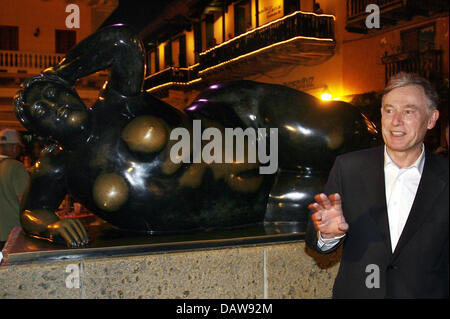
{"x":335,"y":49}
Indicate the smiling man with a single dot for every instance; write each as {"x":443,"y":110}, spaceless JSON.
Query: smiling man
{"x":389,"y":205}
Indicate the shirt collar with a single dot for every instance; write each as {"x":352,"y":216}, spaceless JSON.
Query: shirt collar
{"x":418,"y":164}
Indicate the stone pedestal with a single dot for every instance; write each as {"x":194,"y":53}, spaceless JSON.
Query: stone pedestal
{"x":284,"y":268}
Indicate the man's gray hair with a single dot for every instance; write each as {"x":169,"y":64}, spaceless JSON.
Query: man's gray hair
{"x":403,"y":79}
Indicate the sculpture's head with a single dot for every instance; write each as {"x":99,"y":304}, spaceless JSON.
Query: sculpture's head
{"x":50,"y":107}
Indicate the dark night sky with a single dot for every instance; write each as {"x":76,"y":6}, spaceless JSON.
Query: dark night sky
{"x":136,"y":13}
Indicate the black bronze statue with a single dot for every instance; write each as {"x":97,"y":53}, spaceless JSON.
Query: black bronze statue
{"x":115,"y":159}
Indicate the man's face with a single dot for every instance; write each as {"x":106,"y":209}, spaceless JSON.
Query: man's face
{"x":405,"y":118}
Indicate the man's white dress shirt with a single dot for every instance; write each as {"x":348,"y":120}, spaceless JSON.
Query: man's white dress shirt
{"x":401,"y":188}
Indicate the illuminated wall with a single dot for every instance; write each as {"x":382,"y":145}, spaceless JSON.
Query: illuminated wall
{"x":190,"y":54}
{"x":45,"y":15}
{"x":364,"y":70}
{"x":318,"y":78}
{"x":161,"y":56}
{"x":356,"y":65}
{"x":270,"y":10}
{"x":218,"y":29}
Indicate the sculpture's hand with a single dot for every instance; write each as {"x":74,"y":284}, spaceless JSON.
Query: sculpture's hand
{"x":72,"y":230}
{"x":328,"y":217}
{"x":43,"y":223}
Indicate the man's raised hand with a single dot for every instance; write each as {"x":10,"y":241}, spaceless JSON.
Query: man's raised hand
{"x":327,"y":216}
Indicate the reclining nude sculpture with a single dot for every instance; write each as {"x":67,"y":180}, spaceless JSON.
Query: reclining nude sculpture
{"x":115,"y":157}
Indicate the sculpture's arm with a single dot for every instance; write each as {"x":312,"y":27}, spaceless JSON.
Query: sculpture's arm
{"x":47,"y":190}
{"x":115,"y":47}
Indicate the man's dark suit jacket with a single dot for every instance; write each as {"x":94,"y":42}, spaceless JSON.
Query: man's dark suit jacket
{"x":419,"y":266}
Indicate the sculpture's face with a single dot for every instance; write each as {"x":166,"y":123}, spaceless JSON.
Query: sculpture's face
{"x":55,"y":111}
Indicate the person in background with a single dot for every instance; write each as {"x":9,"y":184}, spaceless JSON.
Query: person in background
{"x":443,"y":149}
{"x":389,"y":205}
{"x":14,"y":180}
{"x":317,"y":9}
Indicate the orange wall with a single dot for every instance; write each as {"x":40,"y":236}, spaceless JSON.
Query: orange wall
{"x":327,"y":74}
{"x":363,"y":69}
{"x":48,"y":16}
{"x":356,"y":65}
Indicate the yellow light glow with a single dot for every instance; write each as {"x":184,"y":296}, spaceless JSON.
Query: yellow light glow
{"x":171,"y":68}
{"x":168,"y":84}
{"x":326,"y":96}
{"x":290,"y":128}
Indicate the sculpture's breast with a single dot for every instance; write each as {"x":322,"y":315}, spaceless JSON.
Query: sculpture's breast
{"x":115,"y":165}
{"x":131,"y":180}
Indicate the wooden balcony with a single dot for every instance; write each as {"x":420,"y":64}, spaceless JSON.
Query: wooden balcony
{"x":391,"y":11}
{"x":427,"y":64}
{"x":301,"y":38}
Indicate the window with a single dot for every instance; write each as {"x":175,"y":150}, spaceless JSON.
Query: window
{"x":291,"y":6}
{"x":156,"y":59}
{"x":64,"y":40}
{"x":148,"y":63}
{"x":210,"y":41}
{"x":182,"y":62}
{"x":9,"y":38}
{"x":242,"y":17}
{"x":197,"y":40}
{"x":418,"y":39}
{"x":168,"y":54}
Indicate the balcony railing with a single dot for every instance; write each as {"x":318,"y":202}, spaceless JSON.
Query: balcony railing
{"x":172,"y":76}
{"x":427,"y":64}
{"x":298,"y":24}
{"x":11,"y":61}
{"x":391,"y":11}
{"x":357,"y":8}
{"x":20,"y":64}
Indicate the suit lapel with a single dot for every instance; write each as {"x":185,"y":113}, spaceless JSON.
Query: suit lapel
{"x":377,"y":195}
{"x":430,"y":186}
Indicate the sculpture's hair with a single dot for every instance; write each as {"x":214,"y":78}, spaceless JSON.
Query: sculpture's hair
{"x":22,"y":105}
{"x":403,"y":79}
